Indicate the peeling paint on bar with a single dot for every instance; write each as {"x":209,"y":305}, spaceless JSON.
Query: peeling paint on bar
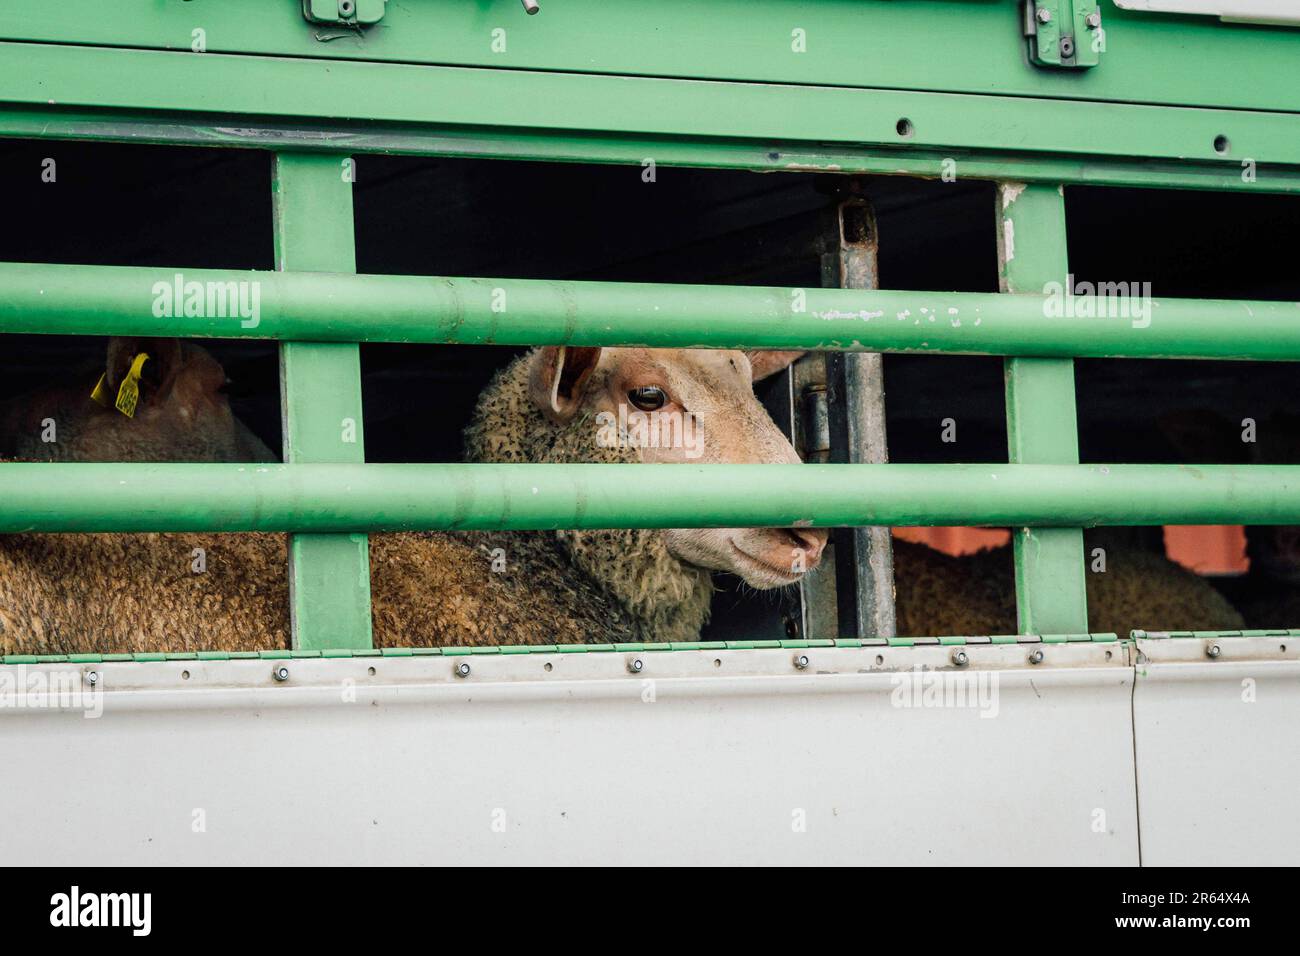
{"x":352,"y":498}
{"x":327,"y":307}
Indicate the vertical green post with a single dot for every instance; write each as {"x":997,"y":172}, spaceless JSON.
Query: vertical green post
{"x":1042,"y":425}
{"x":320,"y":401}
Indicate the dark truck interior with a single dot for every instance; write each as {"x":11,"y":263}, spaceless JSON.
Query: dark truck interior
{"x":198,"y":208}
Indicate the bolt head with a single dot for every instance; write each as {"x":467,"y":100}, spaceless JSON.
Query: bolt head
{"x":801,"y":661}
{"x":635,"y":665}
{"x":1093,"y":19}
{"x":462,"y":668}
{"x":1214,"y":650}
{"x":1043,"y":15}
{"x":960,"y":658}
{"x":1036,"y":657}
{"x":92,"y":678}
{"x":280,"y":672}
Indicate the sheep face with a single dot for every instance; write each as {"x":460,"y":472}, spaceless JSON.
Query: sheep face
{"x":674,"y":406}
{"x":182,"y":414}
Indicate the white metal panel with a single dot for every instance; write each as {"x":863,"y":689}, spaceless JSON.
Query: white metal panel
{"x":1218,"y":764}
{"x":1240,"y":11}
{"x":573,"y":764}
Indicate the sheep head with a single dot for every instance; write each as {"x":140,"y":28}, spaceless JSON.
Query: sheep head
{"x":675,"y":406}
{"x":179,"y":411}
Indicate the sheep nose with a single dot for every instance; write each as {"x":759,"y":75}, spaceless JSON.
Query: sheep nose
{"x":811,"y":541}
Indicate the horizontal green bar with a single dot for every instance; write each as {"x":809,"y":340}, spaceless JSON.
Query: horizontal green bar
{"x":327,"y":307}
{"x":389,"y":497}
{"x":195,"y":129}
{"x":476,"y":98}
{"x":1147,"y":59}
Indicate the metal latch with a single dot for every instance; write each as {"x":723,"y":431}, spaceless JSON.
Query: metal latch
{"x":1064,"y":33}
{"x":349,"y":12}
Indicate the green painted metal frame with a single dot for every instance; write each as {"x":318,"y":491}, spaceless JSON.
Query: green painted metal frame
{"x":1185,"y":128}
{"x":331,"y":307}
{"x":1042,"y":422}
{"x":339,"y":498}
{"x":616,"y":106}
{"x":972,"y":46}
{"x":320,"y":395}
{"x":767,"y":154}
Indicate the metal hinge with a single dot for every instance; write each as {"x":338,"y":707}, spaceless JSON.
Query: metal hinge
{"x":360,"y":13}
{"x":1064,"y":33}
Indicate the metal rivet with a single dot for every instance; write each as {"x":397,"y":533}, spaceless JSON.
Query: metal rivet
{"x":92,"y":678}
{"x":347,"y":8}
{"x":1044,"y":15}
{"x":1094,"y":19}
{"x":801,"y":661}
{"x":280,"y":672}
{"x":635,"y":665}
{"x":1214,"y":650}
{"x":960,"y":658}
{"x":1036,"y":657}
{"x":462,"y":668}
{"x":1067,"y":47}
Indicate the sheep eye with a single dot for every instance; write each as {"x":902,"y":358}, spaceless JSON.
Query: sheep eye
{"x":647,"y":399}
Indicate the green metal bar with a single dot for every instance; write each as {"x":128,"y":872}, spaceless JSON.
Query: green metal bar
{"x":1041,"y":417}
{"x":324,"y":307}
{"x":202,"y":129}
{"x":320,"y":395}
{"x":80,"y":77}
{"x":352,"y":498}
{"x":1148,"y":58}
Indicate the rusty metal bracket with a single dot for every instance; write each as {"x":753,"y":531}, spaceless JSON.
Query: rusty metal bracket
{"x":855,"y":421}
{"x":1064,"y":33}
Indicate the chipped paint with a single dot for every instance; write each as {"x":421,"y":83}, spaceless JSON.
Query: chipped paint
{"x":1008,"y":239}
{"x":1010,"y":192}
{"x":814,"y":167}
{"x":831,"y":315}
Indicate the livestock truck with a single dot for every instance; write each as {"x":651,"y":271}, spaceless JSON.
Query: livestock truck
{"x":1041,"y":256}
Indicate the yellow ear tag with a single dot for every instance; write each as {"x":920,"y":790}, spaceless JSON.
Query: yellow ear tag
{"x":128,"y":394}
{"x":100,"y":394}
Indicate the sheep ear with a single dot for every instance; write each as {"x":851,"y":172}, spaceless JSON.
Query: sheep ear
{"x":558,"y":378}
{"x":764,"y":364}
{"x":157,"y":375}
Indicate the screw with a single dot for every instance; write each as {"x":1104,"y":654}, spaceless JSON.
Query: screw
{"x":530,"y":7}
{"x":1093,"y":19}
{"x":462,"y":668}
{"x":960,"y":658}
{"x":801,"y":661}
{"x":92,"y":678}
{"x":1044,"y":15}
{"x":280,"y":673}
{"x":1036,"y":657}
{"x":1214,"y":650}
{"x":635,"y":665}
